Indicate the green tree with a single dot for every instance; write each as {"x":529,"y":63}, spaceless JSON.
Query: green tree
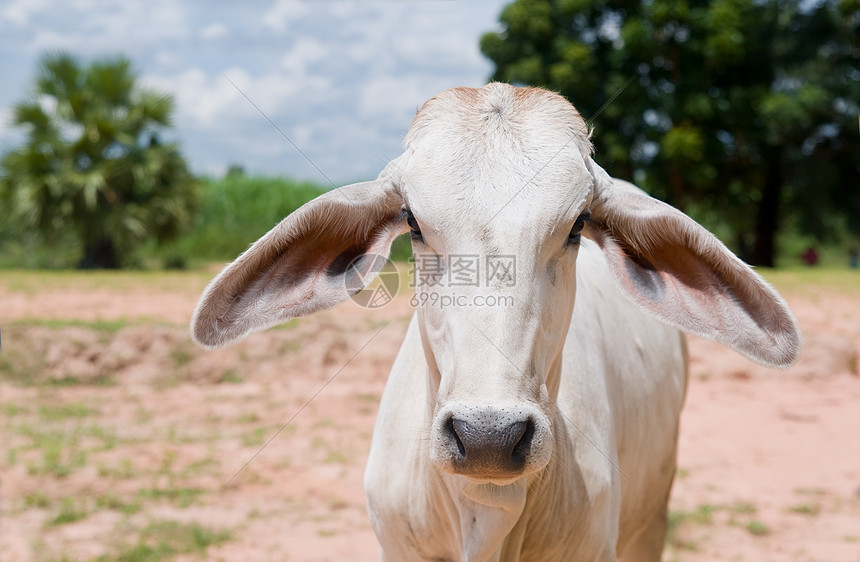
{"x":93,"y":164}
{"x":742,"y":109}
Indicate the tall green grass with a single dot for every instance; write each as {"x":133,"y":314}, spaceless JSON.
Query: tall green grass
{"x":236,"y":210}
{"x":27,"y":250}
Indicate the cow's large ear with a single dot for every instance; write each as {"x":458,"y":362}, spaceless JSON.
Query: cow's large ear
{"x":313,"y":259}
{"x":673,"y":268}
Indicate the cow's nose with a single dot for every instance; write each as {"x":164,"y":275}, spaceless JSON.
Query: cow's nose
{"x":490,"y":448}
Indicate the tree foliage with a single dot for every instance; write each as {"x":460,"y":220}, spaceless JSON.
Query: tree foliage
{"x":744,"y":109}
{"x":93,"y":164}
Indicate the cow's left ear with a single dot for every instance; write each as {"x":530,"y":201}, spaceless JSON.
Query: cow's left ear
{"x":673,"y":268}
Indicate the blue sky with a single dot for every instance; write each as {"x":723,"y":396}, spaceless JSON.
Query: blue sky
{"x":342,"y":79}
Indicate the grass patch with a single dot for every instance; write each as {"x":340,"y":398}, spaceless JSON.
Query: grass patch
{"x":37,"y":500}
{"x":230,"y":376}
{"x":805,"y":509}
{"x":336,"y":457}
{"x":290,"y":324}
{"x":703,"y":515}
{"x":31,"y":281}
{"x":71,"y":510}
{"x":208,"y":465}
{"x":678,"y":521}
{"x":65,"y":411}
{"x":115,"y":503}
{"x":249,"y":417}
{"x":181,"y":356}
{"x":14,"y":410}
{"x":757,"y":528}
{"x":124,"y":470}
{"x":99,"y":381}
{"x":61,"y":451}
{"x":812,"y":280}
{"x":106,"y":326}
{"x":180,"y":497}
{"x":255,"y":438}
{"x":744,"y":508}
{"x":163,"y":540}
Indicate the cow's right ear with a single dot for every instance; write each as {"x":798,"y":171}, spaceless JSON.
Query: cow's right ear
{"x":311,"y":260}
{"x":671,"y":267}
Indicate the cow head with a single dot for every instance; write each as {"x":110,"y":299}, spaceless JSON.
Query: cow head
{"x":498,"y":188}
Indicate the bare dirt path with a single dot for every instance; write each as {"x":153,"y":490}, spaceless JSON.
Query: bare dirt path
{"x":117,"y":436}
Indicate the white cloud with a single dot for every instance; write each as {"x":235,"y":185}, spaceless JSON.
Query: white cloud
{"x":305,"y":52}
{"x":276,"y":91}
{"x":283,"y":13}
{"x":19,"y":12}
{"x":217,"y":102}
{"x":109,"y":26}
{"x":214,"y":31}
{"x":202,"y":100}
{"x":167,"y":58}
{"x":432,"y":41}
{"x":394,"y":99}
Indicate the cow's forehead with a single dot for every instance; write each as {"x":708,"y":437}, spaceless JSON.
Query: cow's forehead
{"x":513,"y":154}
{"x":481,"y":110}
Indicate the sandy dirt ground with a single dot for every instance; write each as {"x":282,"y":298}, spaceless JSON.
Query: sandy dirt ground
{"x":119,"y":440}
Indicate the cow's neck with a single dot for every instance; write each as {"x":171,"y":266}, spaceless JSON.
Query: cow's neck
{"x":487,"y":514}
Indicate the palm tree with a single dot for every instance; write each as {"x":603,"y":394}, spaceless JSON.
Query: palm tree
{"x":93,"y":164}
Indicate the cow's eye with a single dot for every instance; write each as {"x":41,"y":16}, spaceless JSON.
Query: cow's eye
{"x":576,"y":232}
{"x":413,"y":225}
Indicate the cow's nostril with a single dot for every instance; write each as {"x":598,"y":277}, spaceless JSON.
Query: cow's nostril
{"x":523,"y":446}
{"x":451,"y":428}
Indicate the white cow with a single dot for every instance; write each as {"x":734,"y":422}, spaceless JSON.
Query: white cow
{"x":542,"y":430}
